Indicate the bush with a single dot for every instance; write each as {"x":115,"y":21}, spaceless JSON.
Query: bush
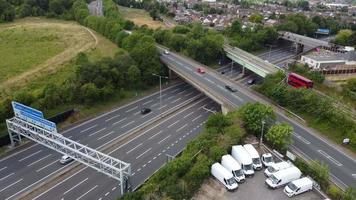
{"x":335,"y":193}
{"x":318,"y":171}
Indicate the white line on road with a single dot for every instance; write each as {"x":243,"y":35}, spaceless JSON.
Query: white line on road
{"x":221,"y":87}
{"x":189,"y":94}
{"x":14,"y":154}
{"x":10,"y":185}
{"x":301,"y":138}
{"x":175,"y":90}
{"x":128,"y":124}
{"x":330,"y":158}
{"x":162,"y":107}
{"x":153,"y":105}
{"x":131,"y":109}
{"x":113,"y":188}
{"x":237,"y":97}
{"x":196,"y":118}
{"x":212,"y":82}
{"x":75,"y":186}
{"x":46,"y":166}
{"x":2,"y":168}
{"x":143,"y":153}
{"x":147,"y":102}
{"x":89,"y":128}
{"x":136,"y":113}
{"x":173,"y":124}
{"x":203,"y":106}
{"x":107,"y":193}
{"x":181,"y":127}
{"x":97,"y":132}
{"x":354,"y":175}
{"x":112,"y":118}
{"x":29,"y":156}
{"x":87,"y":192}
{"x":188,"y":114}
{"x":134,"y":148}
{"x":155,"y":134}
{"x":170,"y":97}
{"x":3,"y":178}
{"x":105,"y":135}
{"x":176,"y":100}
{"x":146,"y":115}
{"x":181,"y":92}
{"x":164,"y":139}
{"x":29,"y":165}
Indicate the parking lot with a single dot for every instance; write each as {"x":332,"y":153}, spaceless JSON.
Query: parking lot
{"x":253,"y":188}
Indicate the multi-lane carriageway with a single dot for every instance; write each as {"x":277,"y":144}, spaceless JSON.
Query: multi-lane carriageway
{"x":146,"y":150}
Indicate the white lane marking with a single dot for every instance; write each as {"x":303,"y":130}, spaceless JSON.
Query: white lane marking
{"x":113,"y":188}
{"x":188,"y":94}
{"x":61,"y":183}
{"x":164,"y":139}
{"x":175,"y":90}
{"x":159,"y":154}
{"x":131,"y":109}
{"x":181,"y":127}
{"x":75,"y":186}
{"x":112,"y":118}
{"x":22,"y":159}
{"x":29,"y":165}
{"x":162,"y":96}
{"x":188,"y":114}
{"x":14,"y":154}
{"x":134,"y":148}
{"x":181,"y":92}
{"x":176,"y":100}
{"x":210,"y":81}
{"x":149,"y":161}
{"x":100,"y":198}
{"x":155,"y":135}
{"x":105,"y":135}
{"x":97,"y":132}
{"x":202,"y":106}
{"x":196,"y":118}
{"x":10,"y":185}
{"x":301,"y":138}
{"x":330,"y":158}
{"x":154,"y":158}
{"x":354,"y":175}
{"x":146,"y":115}
{"x":143,"y":153}
{"x":133,"y":173}
{"x":147,"y":102}
{"x":40,"y":169}
{"x":3,"y":178}
{"x":143,"y":166}
{"x":89,"y":128}
{"x":87,"y":192}
{"x":162,"y":107}
{"x":237,"y":97}
{"x":139,"y":169}
{"x":136,"y":113}
{"x":153,"y":105}
{"x":128,"y":124}
{"x":221,"y":87}
{"x":173,"y":124}
{"x":170,"y":97}
{"x":107,"y":193}
{"x":2,"y":168}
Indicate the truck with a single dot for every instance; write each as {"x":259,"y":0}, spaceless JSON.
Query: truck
{"x":256,"y":161}
{"x":241,"y":156}
{"x":283,"y":177}
{"x":229,"y":163}
{"x":224,"y":176}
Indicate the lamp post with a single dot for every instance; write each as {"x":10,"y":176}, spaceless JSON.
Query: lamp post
{"x":160,"y":90}
{"x":261,"y":139}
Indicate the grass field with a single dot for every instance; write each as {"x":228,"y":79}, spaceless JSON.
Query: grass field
{"x":139,"y":17}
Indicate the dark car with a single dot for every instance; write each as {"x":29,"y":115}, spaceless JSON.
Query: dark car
{"x":231,"y":89}
{"x":251,"y":81}
{"x":145,"y":110}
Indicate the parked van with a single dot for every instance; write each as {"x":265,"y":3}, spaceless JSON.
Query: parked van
{"x":256,"y":161}
{"x":282,"y":177}
{"x":267,"y":159}
{"x":234,"y":167}
{"x":224,"y":176}
{"x":298,"y":186}
{"x":241,"y":156}
{"x":275,"y":167}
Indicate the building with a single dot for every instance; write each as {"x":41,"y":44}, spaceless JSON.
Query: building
{"x":329,"y":60}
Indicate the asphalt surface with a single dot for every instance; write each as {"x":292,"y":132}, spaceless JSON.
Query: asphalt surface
{"x":342,"y":166}
{"x":25,"y":169}
{"x":96,"y":8}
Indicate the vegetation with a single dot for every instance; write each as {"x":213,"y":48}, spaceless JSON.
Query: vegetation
{"x":305,"y":71}
{"x":349,"y":89}
{"x":139,"y":17}
{"x":346,"y":37}
{"x":153,"y":7}
{"x":280,"y":136}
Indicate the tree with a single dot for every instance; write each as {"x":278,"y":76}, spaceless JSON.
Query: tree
{"x":280,"y":136}
{"x":350,"y":194}
{"x":343,"y":37}
{"x":256,"y":18}
{"x":218,"y":123}
{"x":236,"y":28}
{"x":178,"y":42}
{"x":303,"y":4}
{"x":134,"y":75}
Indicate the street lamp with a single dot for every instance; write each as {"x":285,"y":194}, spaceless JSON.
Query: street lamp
{"x":261,"y":139}
{"x":160,"y":90}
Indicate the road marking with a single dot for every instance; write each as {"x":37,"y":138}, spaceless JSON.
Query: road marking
{"x":89,"y":128}
{"x":128,"y":124}
{"x":136,"y":113}
{"x":75,"y":186}
{"x":153,"y":105}
{"x":112,"y":118}
{"x":154,"y":158}
{"x":170,"y":97}
{"x":131,"y":109}
{"x":212,"y":82}
{"x":143,"y":166}
{"x":46,"y":166}
{"x":181,"y":92}
{"x":143,"y":153}
{"x":96,"y":132}
{"x":330,"y":158}
{"x":175,"y":90}
{"x":221,"y":87}
{"x":146,"y":115}
{"x":237,"y":97}
{"x":162,"y":107}
{"x":3,"y":168}
{"x":188,"y":114}
{"x":22,"y":159}
{"x":176,"y":100}
{"x":87,"y":192}
{"x":113,"y":188}
{"x":107,"y":193}
{"x":134,"y":148}
{"x":162,"y":96}
{"x":149,"y":161}
{"x":151,"y":136}
{"x":159,"y":154}
{"x":188,"y":94}
{"x":203,"y":106}
{"x":14,"y":154}
{"x":6,"y":176}
{"x":10,"y":185}
{"x":301,"y":138}
{"x":29,"y":165}
{"x":105,"y":135}
{"x":173,"y":124}
{"x":181,"y":127}
{"x":100,"y":198}
{"x":147,"y":102}
{"x":196,"y":118}
{"x":139,"y":169}
{"x":133,"y":173}
{"x":164,"y":139}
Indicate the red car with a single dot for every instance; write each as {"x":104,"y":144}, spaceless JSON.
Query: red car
{"x":201,"y":70}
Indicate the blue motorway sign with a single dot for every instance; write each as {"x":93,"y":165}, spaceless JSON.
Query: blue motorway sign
{"x":323,"y":31}
{"x":33,"y":116}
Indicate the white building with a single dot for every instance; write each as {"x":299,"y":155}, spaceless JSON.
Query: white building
{"x":330,"y":60}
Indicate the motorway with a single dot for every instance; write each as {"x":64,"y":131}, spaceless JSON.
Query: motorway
{"x":29,"y":167}
{"x":342,"y":166}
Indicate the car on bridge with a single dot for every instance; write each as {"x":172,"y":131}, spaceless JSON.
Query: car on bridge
{"x":65,"y":160}
{"x":145,"y":111}
{"x":230,"y":88}
{"x":201,"y":70}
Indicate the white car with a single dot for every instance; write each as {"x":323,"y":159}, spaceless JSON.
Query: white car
{"x":65,"y":159}
{"x":267,"y":159}
{"x":166,"y":52}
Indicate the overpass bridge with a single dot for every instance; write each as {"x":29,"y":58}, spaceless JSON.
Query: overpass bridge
{"x":250,"y":61}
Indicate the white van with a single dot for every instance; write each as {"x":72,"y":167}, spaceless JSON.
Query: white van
{"x":234,"y":167}
{"x":256,"y":161}
{"x":275,"y":167}
{"x":267,"y":159}
{"x":282,"y":177}
{"x":298,"y":186}
{"x":241,"y":155}
{"x":224,"y":176}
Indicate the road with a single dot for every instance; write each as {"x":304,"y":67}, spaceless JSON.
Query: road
{"x":96,"y":8}
{"x":25,"y":169}
{"x":342,"y":166}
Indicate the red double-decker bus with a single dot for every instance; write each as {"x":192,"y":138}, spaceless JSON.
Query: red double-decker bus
{"x":298,"y":81}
